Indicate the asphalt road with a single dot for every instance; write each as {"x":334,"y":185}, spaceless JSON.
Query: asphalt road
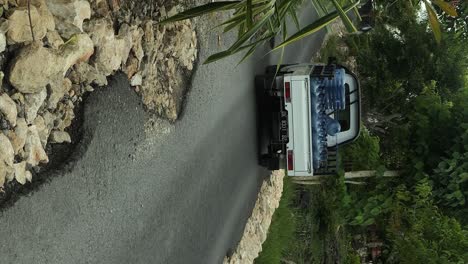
{"x":179,"y":194}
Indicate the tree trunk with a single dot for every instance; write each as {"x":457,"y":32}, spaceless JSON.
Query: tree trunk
{"x":369,"y":173}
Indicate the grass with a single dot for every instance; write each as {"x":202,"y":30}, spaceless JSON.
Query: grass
{"x":282,"y":228}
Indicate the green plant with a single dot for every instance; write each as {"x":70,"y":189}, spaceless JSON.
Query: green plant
{"x":257,"y":21}
{"x":282,"y":228}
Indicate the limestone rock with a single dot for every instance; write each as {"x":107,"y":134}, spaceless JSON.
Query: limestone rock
{"x":90,"y":74}
{"x":256,"y":228}
{"x":69,"y":15}
{"x":18,"y":24}
{"x":18,"y":137}
{"x":58,"y":89}
{"x":21,"y":174}
{"x":49,"y":119}
{"x":65,"y":115}
{"x":32,"y":103}
{"x":42,"y":129}
{"x":2,"y":42}
{"x":28,"y":74}
{"x":8,"y":108}
{"x":60,"y":137}
{"x":34,"y":152}
{"x":6,"y":158}
{"x":111,"y":51}
{"x":136,"y":80}
{"x":54,"y":39}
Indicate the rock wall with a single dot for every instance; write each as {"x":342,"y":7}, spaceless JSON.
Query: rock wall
{"x":71,"y":49}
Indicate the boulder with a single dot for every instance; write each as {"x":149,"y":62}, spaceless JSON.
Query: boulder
{"x":8,"y":108}
{"x":58,"y":90}
{"x":54,"y":39}
{"x":21,"y":174}
{"x":2,"y":42}
{"x":136,"y":80}
{"x":69,"y":15}
{"x":7,"y":156}
{"x":89,"y":74}
{"x":34,"y":152}
{"x":111,"y":51}
{"x":60,"y":137}
{"x":65,"y":115}
{"x":18,"y":23}
{"x":27,"y":71}
{"x":32,"y":103}
{"x":18,"y":137}
{"x":42,"y":129}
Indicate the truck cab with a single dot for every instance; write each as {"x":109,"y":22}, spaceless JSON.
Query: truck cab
{"x":306,"y":112}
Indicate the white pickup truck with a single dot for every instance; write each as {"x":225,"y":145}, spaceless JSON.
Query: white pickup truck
{"x":305,"y":112}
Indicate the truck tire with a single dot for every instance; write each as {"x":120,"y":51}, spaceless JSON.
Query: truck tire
{"x":270,"y":162}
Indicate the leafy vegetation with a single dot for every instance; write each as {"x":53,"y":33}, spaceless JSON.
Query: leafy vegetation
{"x":257,"y":21}
{"x":415,"y":102}
{"x":281,"y":231}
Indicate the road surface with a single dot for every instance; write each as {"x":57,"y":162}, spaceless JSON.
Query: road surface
{"x":180,"y":194}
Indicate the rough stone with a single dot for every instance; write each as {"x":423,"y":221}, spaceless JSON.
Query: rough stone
{"x":69,"y":15}
{"x":65,"y":117}
{"x":58,"y":90}
{"x":256,"y":229}
{"x":136,"y":80}
{"x":6,"y":158}
{"x":90,"y":74}
{"x":2,"y":42}
{"x":32,"y":103}
{"x":8,"y":108}
{"x":18,"y":137}
{"x":60,"y":137}
{"x":111,"y":51}
{"x":19,"y":30}
{"x":54,"y":39}
{"x":42,"y":129}
{"x":49,"y":120}
{"x":21,"y":174}
{"x":34,"y":152}
{"x":28,"y":74}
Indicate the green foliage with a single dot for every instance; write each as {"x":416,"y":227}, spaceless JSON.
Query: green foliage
{"x":456,"y":25}
{"x":364,"y":152}
{"x":257,"y":21}
{"x":282,"y":228}
{"x":427,"y":236}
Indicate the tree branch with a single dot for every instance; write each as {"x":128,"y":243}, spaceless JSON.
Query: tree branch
{"x":30,"y":20}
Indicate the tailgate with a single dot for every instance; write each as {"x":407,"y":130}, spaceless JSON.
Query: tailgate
{"x":299,"y":120}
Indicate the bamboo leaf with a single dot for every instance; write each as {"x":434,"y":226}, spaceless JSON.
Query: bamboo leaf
{"x":247,"y":35}
{"x":433,"y":21}
{"x":346,"y":21}
{"x":229,"y":52}
{"x":248,"y":54}
{"x":218,"y":56}
{"x":201,"y":10}
{"x":314,"y":27}
{"x":240,"y":18}
{"x":356,"y":13}
{"x":446,"y":7}
{"x":293,"y":15}
{"x":249,"y":17}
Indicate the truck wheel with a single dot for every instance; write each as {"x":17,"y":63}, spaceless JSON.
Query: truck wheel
{"x":270,"y":162}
